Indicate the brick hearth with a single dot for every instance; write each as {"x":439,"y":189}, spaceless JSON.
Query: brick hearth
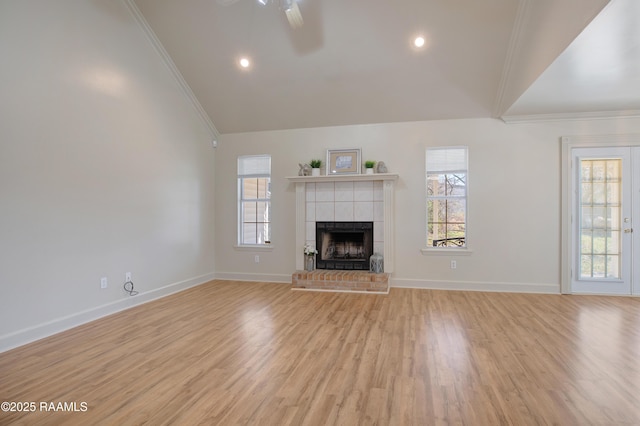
{"x":360,"y":281}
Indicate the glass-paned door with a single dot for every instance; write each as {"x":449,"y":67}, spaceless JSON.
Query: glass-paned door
{"x":602,"y":221}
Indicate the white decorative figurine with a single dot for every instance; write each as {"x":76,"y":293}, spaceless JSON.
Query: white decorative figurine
{"x":305,"y":170}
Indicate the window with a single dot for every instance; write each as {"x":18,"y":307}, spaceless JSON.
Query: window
{"x":254,"y":200}
{"x":446,"y":197}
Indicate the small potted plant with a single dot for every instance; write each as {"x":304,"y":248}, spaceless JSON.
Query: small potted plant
{"x":315,"y":167}
{"x":309,"y":256}
{"x":369,"y":165}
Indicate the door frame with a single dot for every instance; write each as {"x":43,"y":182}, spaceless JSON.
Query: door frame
{"x":568,"y":143}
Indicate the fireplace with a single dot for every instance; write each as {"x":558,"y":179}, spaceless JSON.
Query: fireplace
{"x":344,"y":245}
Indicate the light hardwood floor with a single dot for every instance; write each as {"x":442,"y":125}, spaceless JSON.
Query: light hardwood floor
{"x":228,"y":353}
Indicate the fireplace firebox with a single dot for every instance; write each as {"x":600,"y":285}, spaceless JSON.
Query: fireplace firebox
{"x":344,"y":245}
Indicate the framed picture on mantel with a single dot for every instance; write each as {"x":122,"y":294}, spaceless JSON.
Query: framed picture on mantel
{"x":343,"y":161}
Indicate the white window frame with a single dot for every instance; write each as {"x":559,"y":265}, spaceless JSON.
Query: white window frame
{"x":261,"y":169}
{"x":451,"y":250}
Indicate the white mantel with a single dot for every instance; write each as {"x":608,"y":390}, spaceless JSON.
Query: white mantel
{"x":388,"y":184}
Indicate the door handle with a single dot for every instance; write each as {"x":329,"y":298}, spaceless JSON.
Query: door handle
{"x":628,"y":230}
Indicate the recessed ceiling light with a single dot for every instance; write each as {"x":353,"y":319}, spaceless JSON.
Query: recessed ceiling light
{"x":244,"y":62}
{"x":418,"y":41}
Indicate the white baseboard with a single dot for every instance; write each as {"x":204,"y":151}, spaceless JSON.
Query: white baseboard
{"x":261,"y":277}
{"x":40,"y":331}
{"x":476,"y":286}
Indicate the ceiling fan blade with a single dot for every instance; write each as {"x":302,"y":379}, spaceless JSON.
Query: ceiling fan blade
{"x":293,"y":15}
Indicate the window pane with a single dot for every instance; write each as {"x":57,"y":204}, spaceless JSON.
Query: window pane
{"x":585,"y":265}
{"x":613,"y":218}
{"x":598,"y":169}
{"x":586,"y":242}
{"x":586,"y":172}
{"x":446,"y":191}
{"x":587,"y":217}
{"x":249,"y":233}
{"x":456,"y":184}
{"x":613,"y":265}
{"x":262,"y":212}
{"x":446,"y":222}
{"x":265,"y":232}
{"x":249,"y":211}
{"x":254,"y":177}
{"x":600,"y":218}
{"x":255,"y":188}
{"x":456,"y":210}
{"x":613,"y":193}
{"x":599,"y":193}
{"x":587,"y":193}
{"x":250,"y":189}
{"x":438,"y":230}
{"x":598,"y":267}
{"x":256,"y":233}
{"x":613,"y":243}
{"x":263,"y":188}
{"x":437,"y":211}
{"x":613,"y":170}
{"x":435,"y":185}
{"x":599,"y":242}
{"x":446,"y":211}
{"x":443,"y":185}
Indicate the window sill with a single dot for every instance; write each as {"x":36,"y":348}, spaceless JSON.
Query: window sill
{"x":446,"y":252}
{"x":254,"y":247}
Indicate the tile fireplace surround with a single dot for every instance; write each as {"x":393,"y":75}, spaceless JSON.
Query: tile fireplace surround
{"x":345,"y":198}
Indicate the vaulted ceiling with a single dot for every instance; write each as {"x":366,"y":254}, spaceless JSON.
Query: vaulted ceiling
{"x":353,"y":62}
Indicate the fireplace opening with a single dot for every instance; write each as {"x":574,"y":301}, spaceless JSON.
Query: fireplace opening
{"x":344,"y":245}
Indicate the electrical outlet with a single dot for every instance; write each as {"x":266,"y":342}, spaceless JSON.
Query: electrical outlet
{"x":127,"y":277}
{"x":257,"y":259}
{"x":103,"y":282}
{"x":454,"y":264}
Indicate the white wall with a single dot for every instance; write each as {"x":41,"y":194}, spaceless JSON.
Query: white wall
{"x":105,"y":168}
{"x":514,"y":204}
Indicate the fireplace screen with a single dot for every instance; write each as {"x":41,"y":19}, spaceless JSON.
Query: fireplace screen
{"x":344,"y":245}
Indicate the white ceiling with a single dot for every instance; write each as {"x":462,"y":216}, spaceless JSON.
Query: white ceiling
{"x":352,"y":61}
{"x":597,"y":76}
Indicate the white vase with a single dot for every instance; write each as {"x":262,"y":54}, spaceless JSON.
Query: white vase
{"x":368,"y":171}
{"x":315,"y":172}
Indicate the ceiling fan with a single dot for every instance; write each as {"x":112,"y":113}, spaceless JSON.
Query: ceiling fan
{"x":290,"y":7}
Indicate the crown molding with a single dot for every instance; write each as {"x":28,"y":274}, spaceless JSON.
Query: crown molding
{"x":568,"y":116}
{"x":513,"y":49}
{"x":184,"y":86}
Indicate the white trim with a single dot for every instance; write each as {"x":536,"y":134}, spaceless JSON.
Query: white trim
{"x":58,"y":325}
{"x":388,"y":196}
{"x":301,"y":226}
{"x":186,"y":89}
{"x":254,"y":247}
{"x":344,"y":178}
{"x":453,"y":251}
{"x":569,"y":116}
{"x":513,"y":49}
{"x":476,"y":286}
